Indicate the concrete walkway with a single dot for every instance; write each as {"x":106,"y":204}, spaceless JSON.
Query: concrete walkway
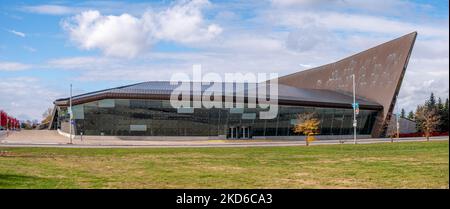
{"x":46,"y":138}
{"x":2,"y":134}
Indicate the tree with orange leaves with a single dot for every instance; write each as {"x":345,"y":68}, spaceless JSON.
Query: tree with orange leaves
{"x":308,"y":125}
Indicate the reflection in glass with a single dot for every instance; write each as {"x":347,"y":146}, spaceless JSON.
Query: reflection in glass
{"x":134,"y":117}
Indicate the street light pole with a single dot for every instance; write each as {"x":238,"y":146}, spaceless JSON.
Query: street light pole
{"x":354,"y":109}
{"x":398,"y":126}
{"x":70,"y":114}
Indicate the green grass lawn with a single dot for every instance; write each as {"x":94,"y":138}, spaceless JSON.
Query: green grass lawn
{"x":386,"y":165}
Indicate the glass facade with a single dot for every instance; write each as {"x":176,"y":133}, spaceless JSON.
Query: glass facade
{"x":134,"y":117}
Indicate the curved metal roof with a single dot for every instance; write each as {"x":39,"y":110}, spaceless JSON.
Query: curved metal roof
{"x":287,"y":95}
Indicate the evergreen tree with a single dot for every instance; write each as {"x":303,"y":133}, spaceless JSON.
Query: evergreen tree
{"x":444,"y":117}
{"x":431,"y":105}
{"x":418,"y":120}
{"x":403,"y":113}
{"x":440,"y":105}
{"x":431,"y":102}
{"x":411,"y":115}
{"x":446,"y":104}
{"x":440,"y":111}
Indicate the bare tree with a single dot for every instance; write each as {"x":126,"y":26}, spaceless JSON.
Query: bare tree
{"x":392,"y":128}
{"x":47,"y":115}
{"x":428,"y":119}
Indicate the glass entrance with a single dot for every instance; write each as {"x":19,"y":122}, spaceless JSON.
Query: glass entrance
{"x":233,"y":133}
{"x":239,"y":132}
{"x":245,"y":132}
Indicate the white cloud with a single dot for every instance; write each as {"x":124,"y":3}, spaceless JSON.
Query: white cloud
{"x":379,"y":7}
{"x":51,"y":9}
{"x":29,"y":48}
{"x":290,"y":3}
{"x":74,"y":62}
{"x":127,"y":36}
{"x":308,"y":37}
{"x":181,"y":23}
{"x":245,"y":43}
{"x":28,"y":92}
{"x":84,"y":63}
{"x":356,"y":23}
{"x":17,"y":33}
{"x":13,"y":66}
{"x":121,"y":36}
{"x":423,"y":76}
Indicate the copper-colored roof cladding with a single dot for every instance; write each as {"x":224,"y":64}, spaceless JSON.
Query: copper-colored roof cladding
{"x":379,"y":72}
{"x":162,"y":90}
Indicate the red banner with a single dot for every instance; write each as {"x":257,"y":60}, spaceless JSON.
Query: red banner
{"x":3,"y":119}
{"x":8,"y":121}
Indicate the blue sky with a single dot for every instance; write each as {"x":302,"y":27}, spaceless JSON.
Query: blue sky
{"x":46,"y":45}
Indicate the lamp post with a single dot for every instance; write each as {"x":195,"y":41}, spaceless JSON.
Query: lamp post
{"x":70,"y":115}
{"x":398,"y":127}
{"x":354,"y":109}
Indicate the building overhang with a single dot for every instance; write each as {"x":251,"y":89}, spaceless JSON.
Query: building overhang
{"x":287,"y":95}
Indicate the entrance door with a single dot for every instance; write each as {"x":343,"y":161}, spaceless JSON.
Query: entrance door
{"x":246,"y":132}
{"x":239,"y":132}
{"x":233,"y":133}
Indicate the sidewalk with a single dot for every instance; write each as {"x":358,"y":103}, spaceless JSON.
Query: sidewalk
{"x":2,"y":134}
{"x":47,"y":138}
